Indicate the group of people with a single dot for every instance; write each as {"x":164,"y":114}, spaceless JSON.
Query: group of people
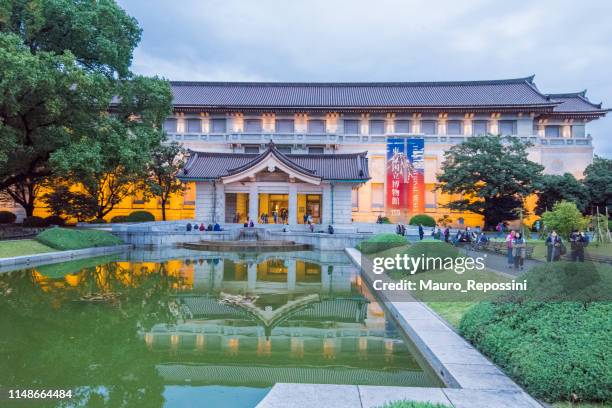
{"x":202,"y":227}
{"x":516,"y":249}
{"x":283,"y":216}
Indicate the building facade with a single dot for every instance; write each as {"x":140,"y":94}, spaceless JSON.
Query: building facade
{"x":338,"y":119}
{"x":334,"y":122}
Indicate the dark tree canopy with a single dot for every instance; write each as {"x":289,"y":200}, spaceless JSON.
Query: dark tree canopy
{"x":598,"y":182}
{"x":64,"y":65}
{"x":555,"y":188}
{"x":492,"y":173}
{"x":98,"y":33}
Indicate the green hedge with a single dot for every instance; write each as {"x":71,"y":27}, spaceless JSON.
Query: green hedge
{"x":34,"y":222}
{"x":7,"y":217}
{"x":119,"y":218}
{"x":380,"y":242}
{"x":140,"y":216}
{"x":424,"y":219}
{"x":558,"y":349}
{"x":55,"y":220}
{"x":64,"y":239}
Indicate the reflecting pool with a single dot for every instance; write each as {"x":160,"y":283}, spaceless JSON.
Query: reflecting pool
{"x":174,"y":328}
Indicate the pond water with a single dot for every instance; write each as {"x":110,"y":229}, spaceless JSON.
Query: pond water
{"x":174,"y":328}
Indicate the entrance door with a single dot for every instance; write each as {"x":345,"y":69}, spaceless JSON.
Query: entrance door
{"x":273,"y":208}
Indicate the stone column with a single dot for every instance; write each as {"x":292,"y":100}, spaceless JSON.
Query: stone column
{"x":204,"y":202}
{"x":326,"y":202}
{"x":252,"y":276}
{"x":291,"y":274}
{"x":220,"y":203}
{"x":253,"y":203}
{"x":293,"y":206}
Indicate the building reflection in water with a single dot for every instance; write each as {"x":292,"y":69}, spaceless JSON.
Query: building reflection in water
{"x":261,"y":319}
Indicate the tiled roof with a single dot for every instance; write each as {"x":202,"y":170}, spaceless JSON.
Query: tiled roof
{"x":574,"y":102}
{"x":497,"y":93}
{"x":210,"y":166}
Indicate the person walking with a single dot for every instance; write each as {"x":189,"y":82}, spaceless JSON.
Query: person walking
{"x":446,"y":234}
{"x":510,"y":257}
{"x":578,"y":241}
{"x":554,"y":247}
{"x":421,"y":232}
{"x":499,"y":229}
{"x":519,"y":250}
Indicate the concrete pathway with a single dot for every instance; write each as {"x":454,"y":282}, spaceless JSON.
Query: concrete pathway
{"x":499,"y":263}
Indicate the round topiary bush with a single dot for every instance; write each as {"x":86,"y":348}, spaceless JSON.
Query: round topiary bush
{"x":34,"y":222}
{"x":119,"y":218}
{"x":98,"y":221}
{"x":424,"y":219}
{"x":7,"y":217}
{"x":140,"y":216}
{"x":381,"y":242}
{"x":55,"y":220}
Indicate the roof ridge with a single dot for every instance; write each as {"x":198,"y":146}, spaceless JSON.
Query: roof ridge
{"x":528,"y":80}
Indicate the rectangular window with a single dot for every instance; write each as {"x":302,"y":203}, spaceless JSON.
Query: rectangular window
{"x":507,"y":127}
{"x":552,"y":131}
{"x":355,"y":199}
{"x":352,"y":127}
{"x":578,"y":131}
{"x":316,"y":126}
{"x":189,"y":194}
{"x":377,"y":127}
{"x":285,"y":126}
{"x":403,"y":126}
{"x":454,"y":127}
{"x":286,"y":149}
{"x":218,"y":126}
{"x":316,"y":150}
{"x":194,"y":126}
{"x":480,"y":127}
{"x":429,"y":127}
{"x":378,"y":195}
{"x":170,"y":125}
{"x":251,"y":149}
{"x":252,"y":125}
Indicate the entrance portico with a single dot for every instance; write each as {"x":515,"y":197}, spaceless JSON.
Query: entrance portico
{"x":272,"y":187}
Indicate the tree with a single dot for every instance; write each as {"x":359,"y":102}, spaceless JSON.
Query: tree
{"x":564,"y":218}
{"x":598,"y":182}
{"x":167,"y":160}
{"x":555,"y":188}
{"x":492,"y":173}
{"x":62,"y":62}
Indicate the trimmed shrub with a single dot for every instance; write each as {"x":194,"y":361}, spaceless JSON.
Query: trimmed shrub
{"x":380,"y":242}
{"x":424,"y":219}
{"x":555,"y":344}
{"x":140,"y":216}
{"x":65,"y":239}
{"x":7,"y":217}
{"x":119,"y":218}
{"x":98,"y":221}
{"x":34,"y":222}
{"x":55,"y":220}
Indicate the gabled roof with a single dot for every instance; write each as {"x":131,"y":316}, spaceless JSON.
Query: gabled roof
{"x":576,"y":102}
{"x":206,"y":166}
{"x":519,"y":92}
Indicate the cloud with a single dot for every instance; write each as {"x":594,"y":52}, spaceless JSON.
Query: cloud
{"x":565,"y":43}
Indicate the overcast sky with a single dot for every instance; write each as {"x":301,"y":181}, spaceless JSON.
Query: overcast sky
{"x":566,"y":44}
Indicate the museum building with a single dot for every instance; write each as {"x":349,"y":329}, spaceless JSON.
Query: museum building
{"x":336,"y":153}
{"x":283,"y":152}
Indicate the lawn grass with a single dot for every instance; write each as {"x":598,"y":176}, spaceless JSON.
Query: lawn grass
{"x":9,"y":249}
{"x":65,"y":239}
